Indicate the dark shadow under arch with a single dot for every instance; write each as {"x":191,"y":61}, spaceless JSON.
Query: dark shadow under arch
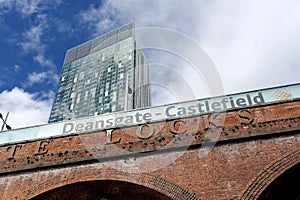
{"x":269,"y":174}
{"x":101,"y":190}
{"x":286,"y":186}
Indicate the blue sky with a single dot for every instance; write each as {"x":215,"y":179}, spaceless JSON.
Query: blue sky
{"x":253,"y":44}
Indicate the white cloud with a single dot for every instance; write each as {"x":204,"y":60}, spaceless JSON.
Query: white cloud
{"x":175,"y":14}
{"x":27,"y":7}
{"x":254,"y":42}
{"x":25,"y":109}
{"x":40,"y":77}
{"x":44,"y":61}
{"x":17,"y":68}
{"x":5,"y":6}
{"x":168,"y":86}
{"x":100,"y":17}
{"x":32,"y":41}
{"x":63,"y":26}
{"x":36,"y":78}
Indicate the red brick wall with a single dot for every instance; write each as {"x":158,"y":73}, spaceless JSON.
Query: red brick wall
{"x":255,"y":145}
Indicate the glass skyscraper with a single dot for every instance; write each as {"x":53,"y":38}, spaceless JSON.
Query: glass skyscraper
{"x":106,"y":74}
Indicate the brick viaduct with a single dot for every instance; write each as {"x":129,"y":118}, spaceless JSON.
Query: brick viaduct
{"x":245,"y":153}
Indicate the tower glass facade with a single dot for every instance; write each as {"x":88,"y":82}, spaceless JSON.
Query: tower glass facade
{"x":106,"y":74}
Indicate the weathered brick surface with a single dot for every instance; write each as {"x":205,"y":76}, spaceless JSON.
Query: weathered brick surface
{"x":255,"y":145}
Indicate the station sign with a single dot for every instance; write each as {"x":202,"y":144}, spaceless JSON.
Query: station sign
{"x":153,"y":114}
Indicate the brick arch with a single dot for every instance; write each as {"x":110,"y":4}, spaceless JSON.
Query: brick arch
{"x":150,"y":181}
{"x":105,"y":189}
{"x":273,"y":170}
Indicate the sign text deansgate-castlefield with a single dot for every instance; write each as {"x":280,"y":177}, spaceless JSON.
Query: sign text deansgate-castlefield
{"x":171,"y":111}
